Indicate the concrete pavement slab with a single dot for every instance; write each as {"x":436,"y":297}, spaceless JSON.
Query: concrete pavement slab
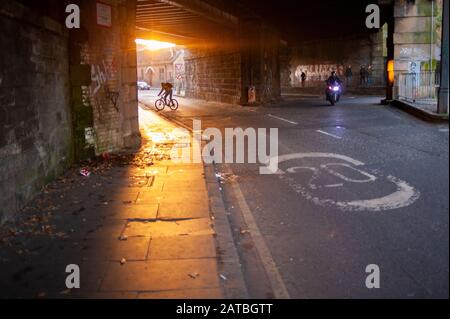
{"x":183,"y":247}
{"x":110,"y":231}
{"x":169,"y":228}
{"x":161,"y":275}
{"x":142,"y":232}
{"x":190,"y":294}
{"x":116,"y":249}
{"x":170,"y":209}
{"x":136,"y":211}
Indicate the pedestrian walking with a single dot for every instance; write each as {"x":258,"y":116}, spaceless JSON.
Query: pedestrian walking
{"x":348,"y":76}
{"x":303,"y":76}
{"x":363,"y":75}
{"x":369,"y":75}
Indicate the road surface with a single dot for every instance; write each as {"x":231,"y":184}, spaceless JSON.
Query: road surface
{"x":363,"y":184}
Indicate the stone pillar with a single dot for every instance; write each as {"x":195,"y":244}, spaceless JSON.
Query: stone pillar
{"x":105,"y":53}
{"x":390,"y":55}
{"x":130,"y":124}
{"x":444,"y":90}
{"x":260,"y":56}
{"x":414,"y":37}
{"x":376,"y":58}
{"x":80,"y":80}
{"x":285,"y":66}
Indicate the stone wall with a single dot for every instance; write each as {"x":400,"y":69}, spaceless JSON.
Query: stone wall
{"x":225,"y":71}
{"x":35,"y":116}
{"x":64,"y":95}
{"x":417,"y":35}
{"x":261,"y":65}
{"x":106,"y":103}
{"x":319,"y":58}
{"x":213,"y":74}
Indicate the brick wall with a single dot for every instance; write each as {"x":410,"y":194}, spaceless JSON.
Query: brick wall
{"x":35,"y":120}
{"x":261,"y":63}
{"x":111,"y":95}
{"x":64,"y":95}
{"x":224,"y":71}
{"x":213,"y":75}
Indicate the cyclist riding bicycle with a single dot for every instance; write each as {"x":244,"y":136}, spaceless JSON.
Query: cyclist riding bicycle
{"x":168,"y":89}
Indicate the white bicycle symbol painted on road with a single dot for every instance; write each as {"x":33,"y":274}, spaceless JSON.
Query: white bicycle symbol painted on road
{"x":403,"y":196}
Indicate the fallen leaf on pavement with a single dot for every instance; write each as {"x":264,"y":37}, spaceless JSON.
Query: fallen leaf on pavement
{"x":223,"y":277}
{"x":66,"y":292}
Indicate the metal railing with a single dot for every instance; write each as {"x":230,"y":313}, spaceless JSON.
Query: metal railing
{"x":420,"y":87}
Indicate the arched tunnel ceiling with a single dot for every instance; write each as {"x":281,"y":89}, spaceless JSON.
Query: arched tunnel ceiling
{"x":181,"y":21}
{"x":188,"y":21}
{"x":319,"y":19}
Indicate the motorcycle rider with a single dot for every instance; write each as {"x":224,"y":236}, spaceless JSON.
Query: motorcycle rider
{"x":334,"y":80}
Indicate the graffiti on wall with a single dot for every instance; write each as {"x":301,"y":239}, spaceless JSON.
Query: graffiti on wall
{"x":102,"y":96}
{"x":317,"y":72}
{"x":85,"y":96}
{"x":101,"y":74}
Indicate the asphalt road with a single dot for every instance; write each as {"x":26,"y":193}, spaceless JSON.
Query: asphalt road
{"x":366,"y":185}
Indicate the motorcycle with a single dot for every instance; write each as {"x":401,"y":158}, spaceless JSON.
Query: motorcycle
{"x":333,"y":93}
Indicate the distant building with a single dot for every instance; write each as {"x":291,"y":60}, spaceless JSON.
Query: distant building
{"x":167,"y":65}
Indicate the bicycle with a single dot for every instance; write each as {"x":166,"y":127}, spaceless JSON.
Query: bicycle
{"x":161,"y":104}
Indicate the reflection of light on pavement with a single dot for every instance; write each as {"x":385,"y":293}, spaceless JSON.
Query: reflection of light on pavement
{"x":157,"y":137}
{"x":154,"y":127}
{"x":163,"y":135}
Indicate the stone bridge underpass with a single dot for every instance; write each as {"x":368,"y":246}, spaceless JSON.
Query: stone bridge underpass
{"x":74,"y":91}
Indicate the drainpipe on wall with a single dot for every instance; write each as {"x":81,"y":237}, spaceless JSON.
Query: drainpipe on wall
{"x":443,"y":89}
{"x":390,"y":57}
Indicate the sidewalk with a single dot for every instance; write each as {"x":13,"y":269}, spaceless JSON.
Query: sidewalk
{"x":422,"y":111}
{"x":140,"y":226}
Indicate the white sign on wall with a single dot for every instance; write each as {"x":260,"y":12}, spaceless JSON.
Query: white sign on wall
{"x":104,"y":15}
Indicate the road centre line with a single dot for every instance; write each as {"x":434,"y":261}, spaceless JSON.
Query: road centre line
{"x":329,"y":134}
{"x":282,"y":119}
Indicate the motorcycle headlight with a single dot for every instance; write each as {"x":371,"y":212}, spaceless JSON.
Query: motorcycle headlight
{"x":336,"y":88}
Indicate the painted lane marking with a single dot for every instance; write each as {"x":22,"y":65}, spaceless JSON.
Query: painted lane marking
{"x":403,"y":196}
{"x":329,"y":134}
{"x":370,"y":177}
{"x":276,"y":281}
{"x":288,"y":157}
{"x":444,"y":130}
{"x":282,"y":119}
{"x":334,"y":185}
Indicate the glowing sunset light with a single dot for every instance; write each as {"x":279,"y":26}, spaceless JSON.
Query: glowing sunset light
{"x":153,"y":45}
